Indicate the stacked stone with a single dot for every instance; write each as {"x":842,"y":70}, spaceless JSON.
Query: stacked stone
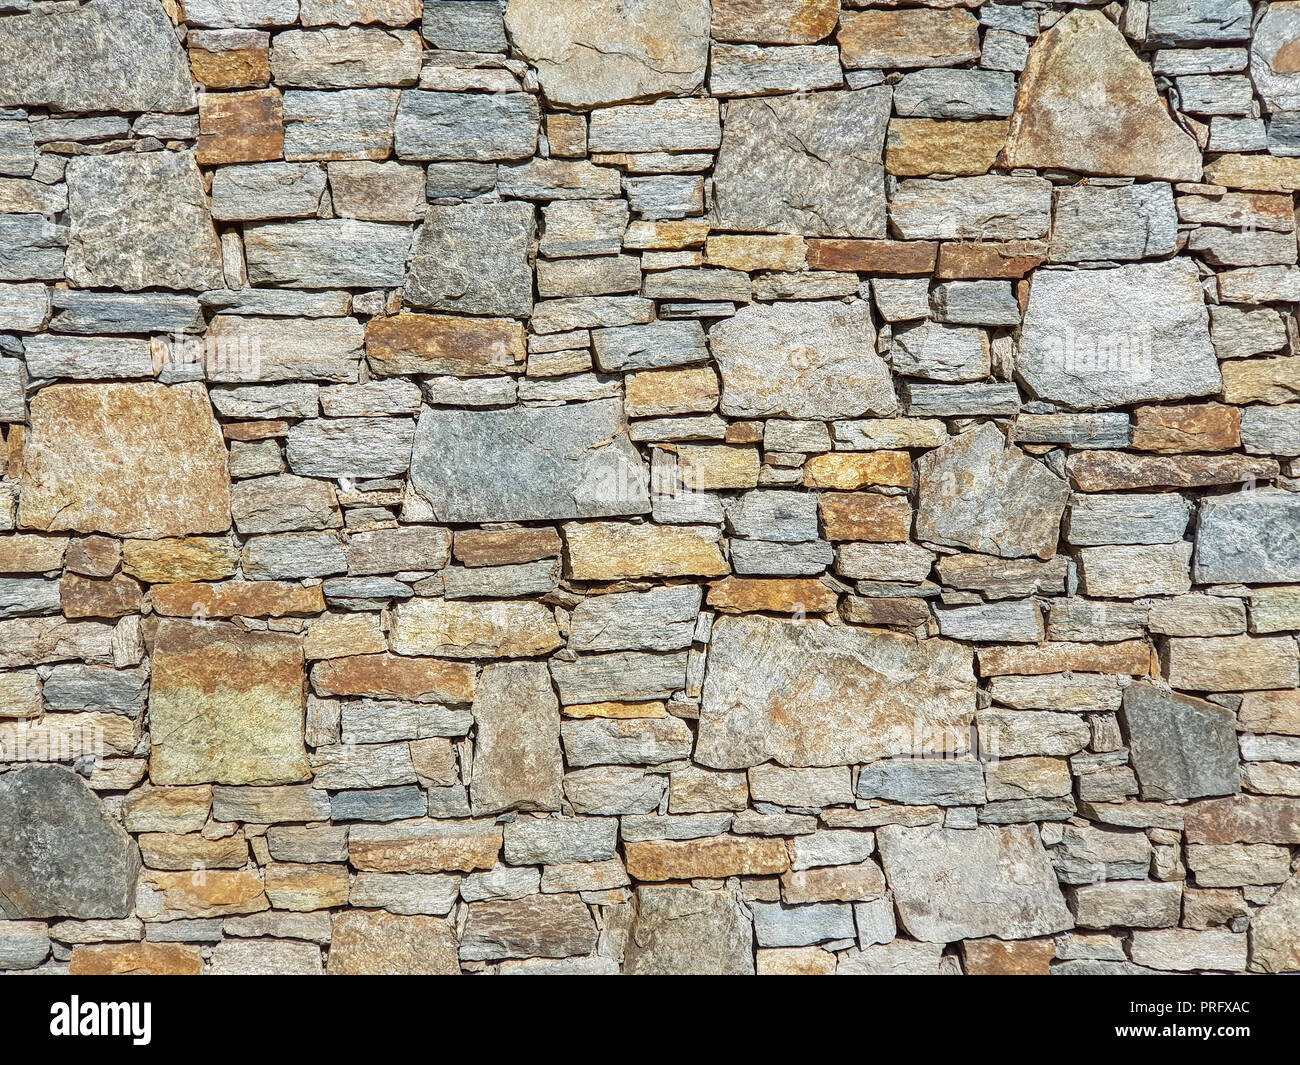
{"x":577,"y":487}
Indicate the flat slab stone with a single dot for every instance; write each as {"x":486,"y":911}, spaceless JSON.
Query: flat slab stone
{"x":810,"y":694}
{"x":529,"y":463}
{"x":63,"y":855}
{"x":143,"y":460}
{"x":952,"y":884}
{"x":680,"y":930}
{"x":472,"y":258}
{"x":1094,"y":339}
{"x":807,"y":164}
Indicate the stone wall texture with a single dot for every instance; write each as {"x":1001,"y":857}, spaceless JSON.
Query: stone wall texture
{"x":649,"y":486}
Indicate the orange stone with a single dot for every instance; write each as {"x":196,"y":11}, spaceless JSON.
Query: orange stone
{"x":201,"y":893}
{"x":505,"y":547}
{"x":388,"y":676}
{"x":444,"y":344}
{"x":240,"y":127}
{"x":397,"y":848}
{"x":1010,"y":259}
{"x":247,"y":431}
{"x":909,"y":258}
{"x":794,"y":961}
{"x":188,"y":558}
{"x":230,"y":59}
{"x":744,"y":595}
{"x":136,"y":959}
{"x":716,"y":856}
{"x":302,"y":887}
{"x":250,"y":599}
{"x":1192,"y":427}
{"x":865,"y":516}
{"x":30,"y":553}
{"x":82,"y":597}
{"x":997,"y":957}
{"x":1114,"y":471}
{"x":94,"y":556}
{"x":847,"y":470}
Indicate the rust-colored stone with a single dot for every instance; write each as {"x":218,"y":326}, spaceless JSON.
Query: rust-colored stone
{"x":919,"y":147}
{"x":744,"y":595}
{"x":136,"y":959}
{"x":904,"y":613}
{"x":1009,"y":259}
{"x":213,"y":893}
{"x":865,"y":516}
{"x":847,"y":470}
{"x":905,"y":257}
{"x":774,"y":21}
{"x":82,"y":597}
{"x":717,"y":856}
{"x":1113,"y":471}
{"x":240,"y":127}
{"x":444,"y":344}
{"x":505,"y":547}
{"x":998,"y":957}
{"x":1244,"y":819}
{"x":252,"y":599}
{"x":387,"y":676}
{"x":1190,"y":427}
{"x":230,"y":59}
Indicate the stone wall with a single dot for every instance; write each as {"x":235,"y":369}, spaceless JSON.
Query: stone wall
{"x":520,"y":488}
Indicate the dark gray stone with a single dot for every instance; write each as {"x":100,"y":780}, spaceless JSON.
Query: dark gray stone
{"x":1181,"y":748}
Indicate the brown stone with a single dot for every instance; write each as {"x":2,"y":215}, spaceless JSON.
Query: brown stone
{"x":999,"y":957}
{"x":28,"y":553}
{"x":1260,"y":173}
{"x":1127,"y":658}
{"x":540,"y":926}
{"x":94,"y":556}
{"x":567,"y":136}
{"x":905,"y":613}
{"x":240,"y":127}
{"x":387,"y":676}
{"x":82,"y":597}
{"x":658,"y":393}
{"x":908,"y":258}
{"x":128,"y":459}
{"x":377,"y":943}
{"x":211,"y":893}
{"x":1112,"y":471}
{"x":230,"y":59}
{"x":615,"y":550}
{"x":919,"y":147}
{"x":444,"y":344}
{"x":304,"y":887}
{"x":1274,"y":713}
{"x":150,"y":809}
{"x":744,"y":595}
{"x":1009,"y":259}
{"x":1261,"y":380}
{"x":914,"y":37}
{"x":717,"y":856}
{"x":774,"y":21}
{"x":505,"y":547}
{"x":341,"y":635}
{"x":136,"y":959}
{"x":834,"y":883}
{"x":865,"y":516}
{"x":449,"y":628}
{"x":1244,"y":819}
{"x":847,"y":470}
{"x":425,"y":846}
{"x":794,"y":961}
{"x":250,"y":599}
{"x":666,"y":236}
{"x":190,"y":850}
{"x":1231,"y":663}
{"x":1192,"y":427}
{"x":189,"y":558}
{"x":247,"y":431}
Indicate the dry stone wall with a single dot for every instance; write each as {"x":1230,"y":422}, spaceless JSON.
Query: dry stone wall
{"x":783,"y":486}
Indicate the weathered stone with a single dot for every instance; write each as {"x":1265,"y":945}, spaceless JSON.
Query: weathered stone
{"x":346,"y":124}
{"x":494,"y":279}
{"x":713,"y":857}
{"x":1275,"y":931}
{"x":226,"y":706}
{"x":1181,"y":949}
{"x":1115,"y":224}
{"x":909,"y":38}
{"x":498,"y":127}
{"x":955,"y":94}
{"x":1006,"y":886}
{"x":976,"y":492}
{"x":66,"y":857}
{"x":136,"y":959}
{"x":1126,"y":904}
{"x":517,"y":763}
{"x":1130,"y":571}
{"x":367,"y":943}
{"x":635,"y":741}
{"x":1107,"y":471}
{"x":540,"y":926}
{"x":326,"y":253}
{"x":444,"y":344}
{"x":919,"y":147}
{"x":753,"y":659}
{"x":993,"y":957}
{"x":1249,"y":536}
{"x":1272,"y":63}
{"x":615,"y":550}
{"x":918,"y":781}
{"x":1231,"y":663}
{"x":1181,"y":748}
{"x":972,"y":208}
{"x":1087,"y":103}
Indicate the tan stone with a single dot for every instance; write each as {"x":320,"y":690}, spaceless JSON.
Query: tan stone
{"x":66,"y":737}
{"x":656,"y":393}
{"x":174,"y":810}
{"x":847,"y":470}
{"x":424,"y":846}
{"x":230,"y":59}
{"x":82,"y":597}
{"x":833,"y":883}
{"x":1260,"y":173}
{"x":717,"y":856}
{"x":30,"y":553}
{"x":795,"y":961}
{"x":774,"y":21}
{"x":1127,"y":658}
{"x":387,"y":676}
{"x":95,"y":556}
{"x":1271,"y":712}
{"x":998,"y":957}
{"x":665,"y":236}
{"x":136,"y":959}
{"x":1007,"y":259}
{"x":914,"y":37}
{"x":291,"y":886}
{"x":1231,"y":663}
{"x":176,"y":851}
{"x":865,"y":516}
{"x":20,"y":694}
{"x":1261,"y":380}
{"x":1191,"y":427}
{"x":226,"y":706}
{"x":888,"y":612}
{"x":444,"y":344}
{"x":710,"y":467}
{"x":189,"y":558}
{"x":341,"y":635}
{"x":251,"y":599}
{"x":908,"y":258}
{"x":744,"y":595}
{"x":505,"y":547}
{"x":240,"y":127}
{"x":567,"y":136}
{"x":1113,"y":471}
{"x":919,"y":147}
{"x":472,"y":629}
{"x":129,"y":459}
{"x":1244,"y":819}
{"x":209,"y":893}
{"x":617,"y":709}
{"x":750,"y":253}
{"x":612,"y":550}
{"x":377,"y":943}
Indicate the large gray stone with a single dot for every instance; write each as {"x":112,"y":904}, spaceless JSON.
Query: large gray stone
{"x":476,"y":127}
{"x":1094,"y":339}
{"x":517,"y":759}
{"x":140,"y":220}
{"x":593,"y":52}
{"x":952,"y":884}
{"x":680,"y":930}
{"x":977,"y":492}
{"x":924,"y":781}
{"x":801,"y":360}
{"x":1249,"y":536}
{"x":1181,"y":748}
{"x":811,"y":694}
{"x":108,"y":55}
{"x":63,"y":855}
{"x":529,"y":463}
{"x":804,"y":164}
{"x":1271,"y":64}
{"x":1098,"y":223}
{"x":473,"y":258}
{"x":661,"y":619}
{"x":327,"y":253}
